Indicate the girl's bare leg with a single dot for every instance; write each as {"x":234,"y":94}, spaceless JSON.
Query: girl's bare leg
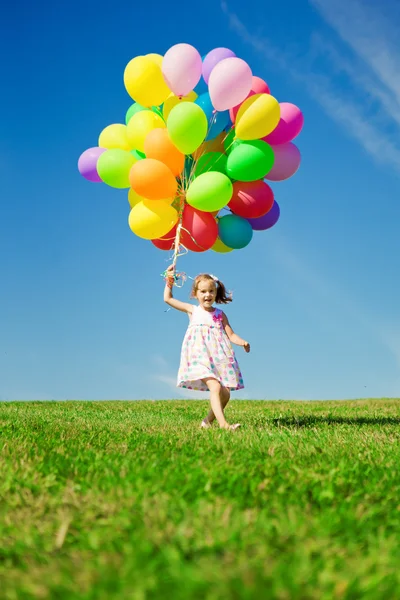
{"x":225,"y":397}
{"x":216,"y":403}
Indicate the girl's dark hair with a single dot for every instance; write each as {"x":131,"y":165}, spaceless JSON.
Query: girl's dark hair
{"x":222,"y":297}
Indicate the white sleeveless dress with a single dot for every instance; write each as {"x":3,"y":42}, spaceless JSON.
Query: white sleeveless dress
{"x":207,"y":352}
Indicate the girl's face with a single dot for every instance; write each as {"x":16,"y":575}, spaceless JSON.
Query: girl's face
{"x":206,"y":293}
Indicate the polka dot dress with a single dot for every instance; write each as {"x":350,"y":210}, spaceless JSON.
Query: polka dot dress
{"x":207,"y":352}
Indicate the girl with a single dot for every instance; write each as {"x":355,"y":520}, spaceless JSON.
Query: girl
{"x":207,"y":358}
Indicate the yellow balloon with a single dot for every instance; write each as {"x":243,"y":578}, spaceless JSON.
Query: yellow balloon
{"x":134,"y":199}
{"x":220,"y":247}
{"x":115,"y":136}
{"x":157,"y":58}
{"x":140,"y":125}
{"x":152,"y":219}
{"x":173,"y":100}
{"x":144,"y":81}
{"x":257,"y":117}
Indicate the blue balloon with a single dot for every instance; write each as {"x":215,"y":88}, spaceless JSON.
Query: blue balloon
{"x":234,"y":231}
{"x":217,"y":121}
{"x":201,"y":87}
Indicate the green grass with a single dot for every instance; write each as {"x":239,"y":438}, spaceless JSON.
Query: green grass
{"x":131,"y":500}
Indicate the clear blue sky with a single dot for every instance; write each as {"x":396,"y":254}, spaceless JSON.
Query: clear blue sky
{"x":81,"y":304}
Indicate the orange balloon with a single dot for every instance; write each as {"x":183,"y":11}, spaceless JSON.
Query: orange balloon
{"x":215,"y":145}
{"x":158,"y":145}
{"x":153,"y":179}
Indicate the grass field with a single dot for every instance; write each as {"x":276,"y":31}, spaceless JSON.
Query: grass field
{"x":131,"y":500}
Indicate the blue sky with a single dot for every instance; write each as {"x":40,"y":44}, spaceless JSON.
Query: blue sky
{"x":81,"y":306}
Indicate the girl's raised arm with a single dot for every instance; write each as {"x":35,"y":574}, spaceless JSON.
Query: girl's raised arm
{"x":170,"y":300}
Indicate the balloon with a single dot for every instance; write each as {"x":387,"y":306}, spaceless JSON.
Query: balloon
{"x":231,"y":141}
{"x":211,"y":161}
{"x":266,"y":221}
{"x":140,"y":125}
{"x":258,"y":86}
{"x":115,"y":136}
{"x":229,"y":83}
{"x":138,"y":155}
{"x":158,"y":145}
{"x":152,"y":219}
{"x":134,"y":198}
{"x":217,"y":121}
{"x":234,"y":231}
{"x":289,"y":126}
{"x":181,"y":68}
{"x":173,"y":100}
{"x":209,"y":191}
{"x":199,"y":230}
{"x":152,"y":179}
{"x":114,"y":165}
{"x":257,"y":116}
{"x":87,"y":163}
{"x":132,"y":110}
{"x":213,"y":58}
{"x":220,"y":247}
{"x":215,"y":145}
{"x":156,"y":58}
{"x":250,"y":161}
{"x":187,"y":126}
{"x":287,"y":161}
{"x":166,"y":242}
{"x":144,"y":81}
{"x":251,"y":199}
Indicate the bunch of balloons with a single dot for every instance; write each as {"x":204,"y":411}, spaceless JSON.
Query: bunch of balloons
{"x":199,"y":144}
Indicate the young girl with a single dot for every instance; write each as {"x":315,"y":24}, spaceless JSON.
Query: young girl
{"x":208,"y":362}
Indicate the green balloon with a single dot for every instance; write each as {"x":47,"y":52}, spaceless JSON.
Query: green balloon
{"x":187,"y":126}
{"x":132,"y":110}
{"x":210,"y":191}
{"x":138,"y":155}
{"x":230,"y":142}
{"x":250,"y":161}
{"x":114,"y":167}
{"x":211,"y":161}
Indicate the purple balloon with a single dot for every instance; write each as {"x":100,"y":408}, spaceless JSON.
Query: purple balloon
{"x":87,"y":163}
{"x":213,"y":58}
{"x":266,"y":221}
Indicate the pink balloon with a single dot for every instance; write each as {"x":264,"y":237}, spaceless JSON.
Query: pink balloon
{"x":287,"y":161}
{"x":289,"y":126}
{"x":181,"y":68}
{"x":258,"y":86}
{"x":230,"y":82}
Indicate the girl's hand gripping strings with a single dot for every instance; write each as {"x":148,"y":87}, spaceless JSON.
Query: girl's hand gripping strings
{"x":170,"y":277}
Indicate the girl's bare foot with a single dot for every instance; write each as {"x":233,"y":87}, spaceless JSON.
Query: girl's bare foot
{"x":231,"y":427}
{"x":205,"y":424}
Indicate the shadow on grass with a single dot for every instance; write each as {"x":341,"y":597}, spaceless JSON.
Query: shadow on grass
{"x":313,"y":420}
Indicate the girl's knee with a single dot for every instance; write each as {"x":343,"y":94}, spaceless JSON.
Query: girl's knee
{"x":213,"y":384}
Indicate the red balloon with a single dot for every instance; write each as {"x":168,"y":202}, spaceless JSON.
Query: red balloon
{"x":199,"y":225}
{"x":251,"y":199}
{"x":166,"y":242}
{"x":258,"y":86}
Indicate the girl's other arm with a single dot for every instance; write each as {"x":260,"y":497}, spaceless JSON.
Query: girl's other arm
{"x":170,"y":300}
{"x":233,"y":337}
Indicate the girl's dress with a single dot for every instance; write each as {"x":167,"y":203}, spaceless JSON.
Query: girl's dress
{"x":207,"y":352}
